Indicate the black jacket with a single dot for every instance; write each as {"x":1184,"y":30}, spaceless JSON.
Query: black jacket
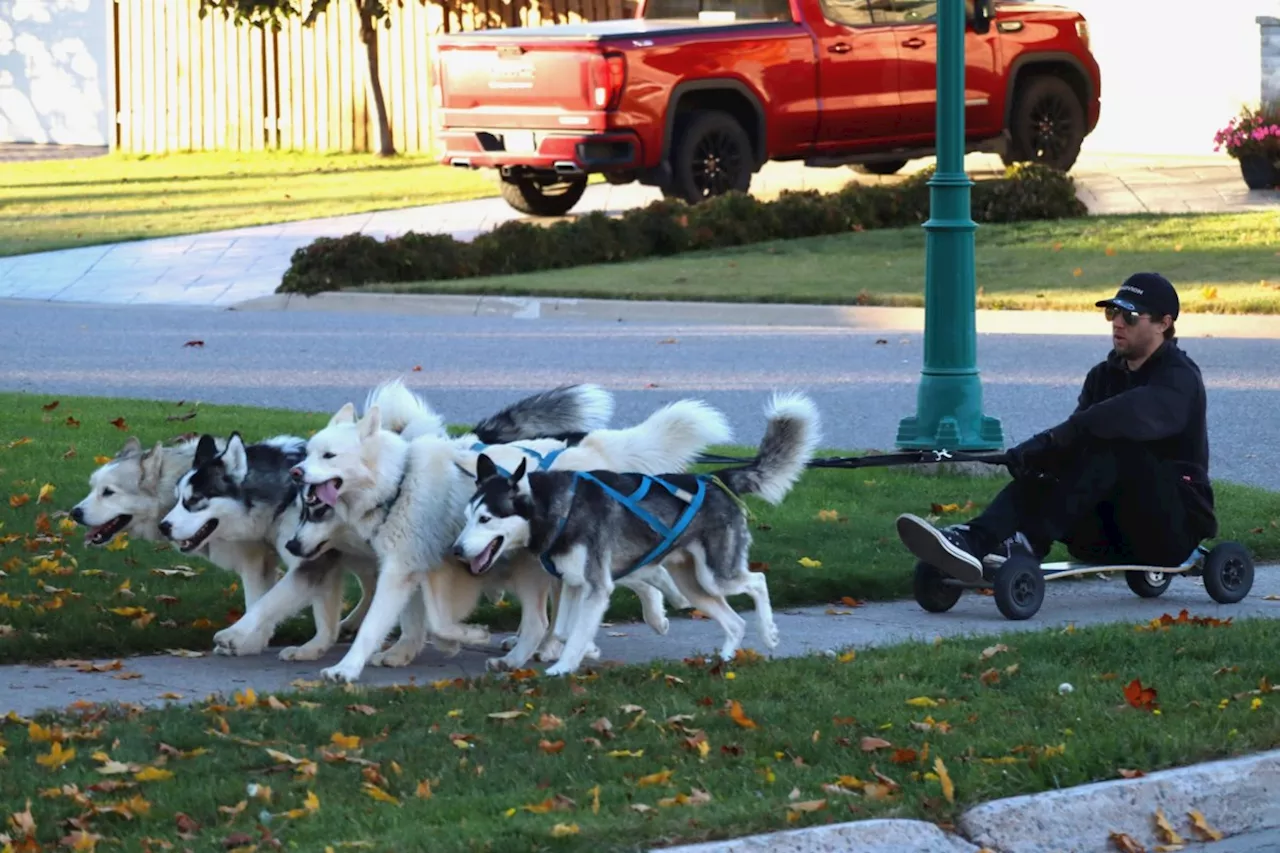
{"x":1161,"y":405}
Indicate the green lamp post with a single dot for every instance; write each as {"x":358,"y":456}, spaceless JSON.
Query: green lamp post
{"x":949,"y":403}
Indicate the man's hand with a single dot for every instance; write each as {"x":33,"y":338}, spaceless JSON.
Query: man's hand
{"x":1026,"y":459}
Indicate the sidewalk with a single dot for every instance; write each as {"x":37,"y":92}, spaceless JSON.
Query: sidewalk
{"x":224,"y":268}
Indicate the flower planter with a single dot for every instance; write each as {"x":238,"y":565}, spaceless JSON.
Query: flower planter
{"x":1259,"y":173}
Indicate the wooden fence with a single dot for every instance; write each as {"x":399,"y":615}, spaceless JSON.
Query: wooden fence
{"x":186,"y":83}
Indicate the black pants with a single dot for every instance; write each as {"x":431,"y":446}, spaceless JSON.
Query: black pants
{"x":1109,"y":502}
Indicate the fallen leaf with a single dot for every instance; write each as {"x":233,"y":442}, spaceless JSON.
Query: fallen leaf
{"x":1077,"y":272}
{"x":1143,"y":698}
{"x":1166,"y":830}
{"x":120,"y":424}
{"x":871,"y":744}
{"x":922,"y":702}
{"x":560,"y":830}
{"x":342,"y":741}
{"x":1125,"y":843}
{"x":378,"y":794}
{"x":659,"y":778}
{"x":49,"y":407}
{"x":948,"y":787}
{"x":738,"y":716}
{"x":56,"y":756}
{"x":153,"y":774}
{"x":1202,"y":828}
{"x":46,"y":493}
{"x":809,"y":563}
{"x":992,"y":651}
{"x":551,"y":747}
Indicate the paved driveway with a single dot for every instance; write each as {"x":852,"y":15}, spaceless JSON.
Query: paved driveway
{"x":226,"y":267}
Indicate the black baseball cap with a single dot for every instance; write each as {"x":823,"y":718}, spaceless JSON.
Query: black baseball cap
{"x":1145,"y":293}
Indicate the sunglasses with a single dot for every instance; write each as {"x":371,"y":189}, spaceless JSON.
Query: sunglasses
{"x":1130,"y":317}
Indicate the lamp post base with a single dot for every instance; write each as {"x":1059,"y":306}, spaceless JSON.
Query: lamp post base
{"x":949,"y":415}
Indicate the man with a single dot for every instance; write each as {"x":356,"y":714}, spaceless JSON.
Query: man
{"x":1124,"y":479}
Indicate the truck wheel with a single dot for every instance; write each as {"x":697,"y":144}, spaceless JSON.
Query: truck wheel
{"x":711,"y":155}
{"x":883,"y":167}
{"x":1046,"y":125}
{"x":552,"y":196}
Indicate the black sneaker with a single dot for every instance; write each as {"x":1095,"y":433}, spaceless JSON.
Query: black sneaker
{"x":950,"y":550}
{"x":1017,"y":545}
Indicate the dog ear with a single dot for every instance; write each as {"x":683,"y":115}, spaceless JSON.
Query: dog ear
{"x":484,"y":468}
{"x":345,"y":415}
{"x":234,"y":458}
{"x":132,"y":447}
{"x":151,"y":462}
{"x":206,"y":451}
{"x":370,"y":423}
{"x":518,"y":474}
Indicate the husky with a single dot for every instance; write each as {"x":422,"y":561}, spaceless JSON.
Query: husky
{"x":246,"y":495}
{"x":593,"y":528}
{"x":407,"y":500}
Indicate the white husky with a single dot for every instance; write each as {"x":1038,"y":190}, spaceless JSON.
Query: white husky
{"x":407,"y":500}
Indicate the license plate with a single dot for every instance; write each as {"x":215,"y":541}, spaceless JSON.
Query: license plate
{"x":520,"y":142}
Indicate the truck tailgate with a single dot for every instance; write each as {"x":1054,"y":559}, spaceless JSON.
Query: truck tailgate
{"x":532,"y":85}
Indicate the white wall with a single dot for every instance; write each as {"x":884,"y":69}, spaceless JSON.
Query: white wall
{"x":54,"y":71}
{"x":1173,"y":71}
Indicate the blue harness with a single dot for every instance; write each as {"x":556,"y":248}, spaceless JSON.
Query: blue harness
{"x":542,"y":462}
{"x":632,"y":502}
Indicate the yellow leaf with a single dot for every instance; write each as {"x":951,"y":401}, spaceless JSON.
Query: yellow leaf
{"x":847,"y":656}
{"x":1209,"y":293}
{"x":660,"y":778}
{"x":424,"y":790}
{"x":1167,"y":832}
{"x":595,"y":800}
{"x":345,"y":741}
{"x":809,"y":563}
{"x":948,"y":787}
{"x":378,"y":794}
{"x":153,"y":774}
{"x":56,"y":757}
{"x":922,"y":702}
{"x":625,"y":753}
{"x":119,"y":543}
{"x":46,"y":491}
{"x":101,"y":460}
{"x":247,"y":699}
{"x":828,"y":515}
{"x":560,"y":830}
{"x":1077,"y":272}
{"x":312,"y":802}
{"x":807,"y":806}
{"x":737,"y":715}
{"x":1200,"y":825}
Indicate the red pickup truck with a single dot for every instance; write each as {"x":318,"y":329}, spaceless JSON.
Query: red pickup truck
{"x":694,"y":96}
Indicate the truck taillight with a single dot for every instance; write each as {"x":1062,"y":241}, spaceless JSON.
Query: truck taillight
{"x":1082,"y":30}
{"x":608,"y":73}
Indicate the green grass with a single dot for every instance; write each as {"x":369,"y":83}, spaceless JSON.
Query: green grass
{"x":62,"y":598}
{"x":1223,"y":263}
{"x":60,"y":204}
{"x":811,"y":740}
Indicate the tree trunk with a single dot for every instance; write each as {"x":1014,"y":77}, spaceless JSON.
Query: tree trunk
{"x":369,"y":35}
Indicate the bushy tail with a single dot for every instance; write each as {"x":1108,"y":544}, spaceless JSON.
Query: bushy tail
{"x":403,"y":411}
{"x":566,"y":410}
{"x":669,"y":440}
{"x":789,"y":443}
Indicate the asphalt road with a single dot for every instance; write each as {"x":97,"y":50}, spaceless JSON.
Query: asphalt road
{"x":863,"y":381}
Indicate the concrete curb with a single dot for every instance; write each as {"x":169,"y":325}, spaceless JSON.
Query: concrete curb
{"x":1236,"y":796}
{"x":736,"y":313}
{"x":864,"y":836}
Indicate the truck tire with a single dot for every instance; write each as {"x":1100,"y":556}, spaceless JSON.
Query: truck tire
{"x":880,"y":167}
{"x":1046,"y":124}
{"x":710,"y":155}
{"x":554,"y":196}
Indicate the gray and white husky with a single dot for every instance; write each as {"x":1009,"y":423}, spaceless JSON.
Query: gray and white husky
{"x":246,"y":494}
{"x":407,"y":500}
{"x":593,"y":528}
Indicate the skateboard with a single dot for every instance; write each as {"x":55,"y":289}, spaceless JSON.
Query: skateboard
{"x":1018,"y":582}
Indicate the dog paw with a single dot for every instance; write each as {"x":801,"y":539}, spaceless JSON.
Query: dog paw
{"x":234,"y":643}
{"x":304,"y":652}
{"x":592,"y":652}
{"x":497,"y":665}
{"x":558,"y":670}
{"x":394,"y":657}
{"x":551,"y":649}
{"x":660,"y":625}
{"x":341,"y":673}
{"x":771,"y":636}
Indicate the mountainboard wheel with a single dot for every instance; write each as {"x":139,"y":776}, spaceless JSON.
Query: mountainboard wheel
{"x":930,"y":590}
{"x":1019,"y":588}
{"x":1228,"y":572}
{"x":1148,"y":584}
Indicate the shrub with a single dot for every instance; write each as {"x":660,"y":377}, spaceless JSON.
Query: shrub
{"x":667,"y":227}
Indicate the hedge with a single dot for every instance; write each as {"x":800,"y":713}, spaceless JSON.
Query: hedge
{"x":1026,"y":192}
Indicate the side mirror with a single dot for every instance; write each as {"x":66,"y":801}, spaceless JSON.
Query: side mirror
{"x":983,"y":13}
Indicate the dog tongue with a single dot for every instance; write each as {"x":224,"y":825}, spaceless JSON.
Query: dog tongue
{"x":327,"y":492}
{"x":481,"y":560}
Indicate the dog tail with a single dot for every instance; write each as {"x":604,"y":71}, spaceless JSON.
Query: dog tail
{"x":668,"y":440}
{"x":404,"y":411}
{"x":562,"y":411}
{"x":789,"y":442}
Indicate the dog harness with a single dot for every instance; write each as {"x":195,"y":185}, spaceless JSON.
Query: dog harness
{"x":632,"y":502}
{"x":543,"y":462}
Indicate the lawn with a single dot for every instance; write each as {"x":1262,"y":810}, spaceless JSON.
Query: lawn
{"x":60,"y":599}
{"x":628,"y":758}
{"x":58,"y":204}
{"x":1222,"y":263}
